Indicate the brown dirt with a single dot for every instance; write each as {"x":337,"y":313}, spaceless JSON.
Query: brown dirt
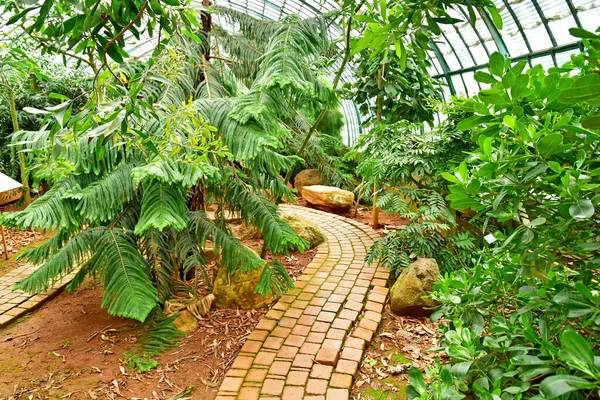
{"x":401,"y":343}
{"x":71,"y":348}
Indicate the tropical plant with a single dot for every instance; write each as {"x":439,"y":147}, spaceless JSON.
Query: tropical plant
{"x":523,"y":323}
{"x":131,"y":174}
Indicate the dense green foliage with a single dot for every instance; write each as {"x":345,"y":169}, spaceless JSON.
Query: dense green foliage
{"x":523,"y":321}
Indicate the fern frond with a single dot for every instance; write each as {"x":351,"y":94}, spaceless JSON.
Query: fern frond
{"x":274,"y":280}
{"x":232,"y":253}
{"x":128,"y":290}
{"x":162,"y":206}
{"x":262,"y":213}
{"x":70,"y":255}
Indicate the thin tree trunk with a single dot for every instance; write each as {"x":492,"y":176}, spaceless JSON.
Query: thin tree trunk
{"x":375,"y":213}
{"x":22,"y":164}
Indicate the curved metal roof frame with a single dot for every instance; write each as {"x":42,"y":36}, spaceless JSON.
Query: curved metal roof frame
{"x":534,"y":30}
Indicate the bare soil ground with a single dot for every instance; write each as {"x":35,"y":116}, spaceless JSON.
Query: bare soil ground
{"x":71,"y":348}
{"x":401,"y":343}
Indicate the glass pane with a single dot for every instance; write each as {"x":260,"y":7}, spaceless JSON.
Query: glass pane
{"x":588,"y":12}
{"x":532,"y":24}
{"x":511,"y":35}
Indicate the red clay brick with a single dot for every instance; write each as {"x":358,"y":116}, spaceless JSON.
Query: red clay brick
{"x":280,"y":368}
{"x":340,"y":323}
{"x":321,"y":371}
{"x":353,"y":354}
{"x":356,"y":343}
{"x":251,"y":346}
{"x":328,"y":356}
{"x":336,"y":298}
{"x":303,"y":361}
{"x":347,"y":367}
{"x":272,"y":387}
{"x":316,"y":386}
{"x":373,"y":316}
{"x":281,"y":332}
{"x":332,"y":307}
{"x":293,"y":393}
{"x":321,"y":327}
{"x":325,"y":316}
{"x":287,"y":322}
{"x":250,"y":393}
{"x":316,"y":337}
{"x":231,"y":384}
{"x":256,"y":375}
{"x":273,"y":343}
{"x":294,"y":340}
{"x":301,"y":330}
{"x":264,"y":358}
{"x":338,"y":394}
{"x":372,"y":306}
{"x":333,"y":333}
{"x":297,"y":378}
{"x":340,"y":381}
{"x":368,"y":324}
{"x":310,"y":348}
{"x":288,"y":352}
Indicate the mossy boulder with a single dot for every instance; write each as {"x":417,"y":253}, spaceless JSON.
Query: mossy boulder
{"x":328,"y":198}
{"x":305,"y":229}
{"x":186,"y":322}
{"x":408,"y":296}
{"x":237,"y":290}
{"x":307,"y":177}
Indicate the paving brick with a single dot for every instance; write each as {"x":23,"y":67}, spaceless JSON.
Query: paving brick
{"x":293,"y":313}
{"x":264,"y":358}
{"x":288,"y":322}
{"x":375,"y":307}
{"x":332,"y":307}
{"x":231,"y":384}
{"x":340,"y":381}
{"x":307,"y":320}
{"x":356,"y":343}
{"x":334,"y":333}
{"x":258,"y":335}
{"x":273,"y":343}
{"x":249,"y":393}
{"x":301,"y":330}
{"x":274,"y":314}
{"x":350,"y":353}
{"x":373,"y":316}
{"x":305,"y":296}
{"x":242,"y":362}
{"x":336,"y":298}
{"x":320,"y":327}
{"x":337,"y":394}
{"x":368,"y":324}
{"x":310,"y":348}
{"x":256,"y":375}
{"x":288,"y":352}
{"x":340,"y":323}
{"x":321,"y":371}
{"x":281,"y":332}
{"x":280,"y":368}
{"x":379,"y":282}
{"x":294,"y":340}
{"x":297,"y":378}
{"x":303,"y":361}
{"x":363,"y":333}
{"x":273,"y":387}
{"x":318,"y":301}
{"x":236,"y":373}
{"x":328,"y":356}
{"x":293,"y":393}
{"x":316,"y":386}
{"x":301,"y":304}
{"x":251,"y":346}
{"x":325,"y":316}
{"x":316,"y":337}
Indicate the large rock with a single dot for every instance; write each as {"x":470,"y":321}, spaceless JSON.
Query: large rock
{"x":237,"y":291}
{"x":328,"y":198}
{"x":406,"y":296}
{"x":307,"y":177}
{"x":305,"y":229}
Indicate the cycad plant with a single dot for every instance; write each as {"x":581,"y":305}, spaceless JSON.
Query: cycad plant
{"x":171,"y":129}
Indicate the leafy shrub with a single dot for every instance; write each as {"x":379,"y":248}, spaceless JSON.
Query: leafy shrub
{"x":523,"y":322}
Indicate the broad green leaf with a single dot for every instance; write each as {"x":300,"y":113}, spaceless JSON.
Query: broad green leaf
{"x":496,"y":18}
{"x":585,"y":89}
{"x":32,"y":110}
{"x":557,"y":385}
{"x":591,"y":122}
{"x":577,"y":349}
{"x":584,"y":209}
{"x":582,"y":33}
{"x":548,"y":144}
{"x":484,"y":77}
{"x":576,"y":304}
{"x":508,"y":80}
{"x":497,"y":64}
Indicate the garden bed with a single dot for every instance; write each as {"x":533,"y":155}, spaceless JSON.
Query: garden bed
{"x":72,"y":348}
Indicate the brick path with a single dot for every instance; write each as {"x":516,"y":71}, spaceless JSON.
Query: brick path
{"x":310,"y":344}
{"x":13,"y":304}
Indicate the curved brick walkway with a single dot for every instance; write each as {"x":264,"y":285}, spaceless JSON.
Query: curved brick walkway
{"x":310,"y":344}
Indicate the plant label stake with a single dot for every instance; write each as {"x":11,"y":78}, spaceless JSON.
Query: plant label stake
{"x":4,"y":239}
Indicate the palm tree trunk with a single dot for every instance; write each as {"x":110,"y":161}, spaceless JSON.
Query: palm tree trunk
{"x":375,"y":213}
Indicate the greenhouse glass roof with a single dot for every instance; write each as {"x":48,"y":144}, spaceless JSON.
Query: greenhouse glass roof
{"x":534,"y":30}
